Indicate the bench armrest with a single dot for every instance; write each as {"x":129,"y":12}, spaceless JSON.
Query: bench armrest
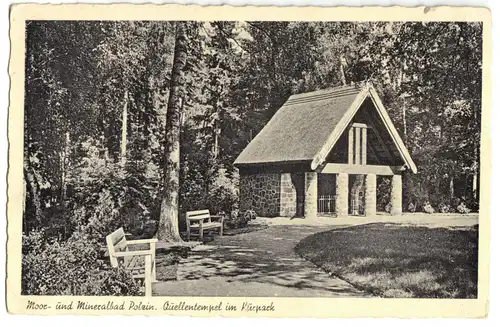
{"x":215,"y":217}
{"x":132,"y":253}
{"x":148,"y":241}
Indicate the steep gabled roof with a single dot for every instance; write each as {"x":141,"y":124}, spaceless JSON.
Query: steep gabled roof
{"x":308,"y":125}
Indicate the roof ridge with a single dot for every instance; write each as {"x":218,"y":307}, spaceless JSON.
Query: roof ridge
{"x":325,"y":95}
{"x":329,"y":90}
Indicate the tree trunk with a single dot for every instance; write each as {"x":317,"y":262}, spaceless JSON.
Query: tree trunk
{"x":124,"y":130}
{"x":168,"y":228}
{"x":34,"y":191}
{"x":64,"y":166}
{"x":452,"y":190}
{"x":477,"y":165}
{"x":343,"y":62}
{"x":405,"y":137}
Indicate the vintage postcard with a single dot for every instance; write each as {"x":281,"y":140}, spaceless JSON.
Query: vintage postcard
{"x":249,"y":161}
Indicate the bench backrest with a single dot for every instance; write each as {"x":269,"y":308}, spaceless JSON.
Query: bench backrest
{"x":116,"y":242}
{"x":198,"y":214}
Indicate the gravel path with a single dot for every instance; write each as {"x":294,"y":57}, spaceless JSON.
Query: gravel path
{"x":260,"y":263}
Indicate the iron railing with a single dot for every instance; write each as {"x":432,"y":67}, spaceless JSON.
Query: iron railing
{"x":326,"y":204}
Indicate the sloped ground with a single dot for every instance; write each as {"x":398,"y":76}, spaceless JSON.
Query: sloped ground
{"x":395,"y":260}
{"x":260,"y":263}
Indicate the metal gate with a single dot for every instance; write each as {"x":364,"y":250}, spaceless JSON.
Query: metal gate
{"x":326,"y":204}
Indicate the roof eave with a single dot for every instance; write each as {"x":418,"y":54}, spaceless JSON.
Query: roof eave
{"x":403,"y":151}
{"x":283,"y":162}
{"x":320,"y":157}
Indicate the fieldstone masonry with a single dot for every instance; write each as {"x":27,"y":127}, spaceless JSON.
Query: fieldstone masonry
{"x":261,"y":193}
{"x":342,"y":200}
{"x":288,"y":196}
{"x":371,"y":195}
{"x":396,"y":195}
{"x":274,"y":194}
{"x":311,"y":195}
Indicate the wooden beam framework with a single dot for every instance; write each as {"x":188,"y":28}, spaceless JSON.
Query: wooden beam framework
{"x":364,"y":132}
{"x":351,"y":147}
{"x":357,"y":144}
{"x":357,"y":151}
{"x":345,"y":123}
{"x":381,"y":141}
{"x":374,"y":153}
{"x":333,"y":168}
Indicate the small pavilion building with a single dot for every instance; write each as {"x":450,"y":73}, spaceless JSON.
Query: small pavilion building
{"x":320,"y":155}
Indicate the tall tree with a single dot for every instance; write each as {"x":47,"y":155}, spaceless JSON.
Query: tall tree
{"x":168,"y":229}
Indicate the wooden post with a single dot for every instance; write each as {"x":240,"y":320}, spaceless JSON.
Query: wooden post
{"x":342,"y":191}
{"x":147,"y":276}
{"x":371,"y":195}
{"x":350,"y":149}
{"x":153,"y":270}
{"x":357,"y":158}
{"x":201,"y":230}
{"x":363,"y":145}
{"x":311,"y":195}
{"x":396,"y":195}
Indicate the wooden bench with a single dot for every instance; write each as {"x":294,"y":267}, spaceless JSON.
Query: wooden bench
{"x":201,"y":220}
{"x":141,"y":263}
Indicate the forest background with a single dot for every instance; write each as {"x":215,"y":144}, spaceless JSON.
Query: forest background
{"x":96,"y":105}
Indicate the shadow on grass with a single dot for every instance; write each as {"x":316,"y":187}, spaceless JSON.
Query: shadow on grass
{"x":399,"y":261}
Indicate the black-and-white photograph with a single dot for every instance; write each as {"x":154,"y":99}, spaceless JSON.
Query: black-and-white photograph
{"x":252,"y":158}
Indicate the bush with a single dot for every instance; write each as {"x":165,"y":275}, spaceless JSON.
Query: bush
{"x":72,"y":267}
{"x":239,"y":219}
{"x":472,"y":204}
{"x":250,"y":215}
{"x":102,"y":196}
{"x":223,"y":193}
{"x":427,"y":207}
{"x":105,"y":195}
{"x":443,"y":208}
{"x":412,"y":207}
{"x":462,"y":208}
{"x":383,"y":193}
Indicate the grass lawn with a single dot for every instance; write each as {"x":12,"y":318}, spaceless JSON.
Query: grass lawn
{"x":393,"y":260}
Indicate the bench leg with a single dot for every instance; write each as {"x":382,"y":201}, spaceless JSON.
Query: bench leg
{"x":201,"y":234}
{"x":188,"y":232}
{"x":153,"y":269}
{"x":221,"y":227}
{"x":147,"y":277}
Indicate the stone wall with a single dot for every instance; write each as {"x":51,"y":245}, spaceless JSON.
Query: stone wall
{"x":371,"y":195}
{"x":311,"y":195}
{"x":288,"y":196}
{"x":396,"y":195}
{"x":342,"y":201}
{"x":261,"y":192}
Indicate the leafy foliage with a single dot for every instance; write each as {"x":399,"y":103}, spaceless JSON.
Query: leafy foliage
{"x":238,"y":219}
{"x":72,"y":267}
{"x":106,"y":195}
